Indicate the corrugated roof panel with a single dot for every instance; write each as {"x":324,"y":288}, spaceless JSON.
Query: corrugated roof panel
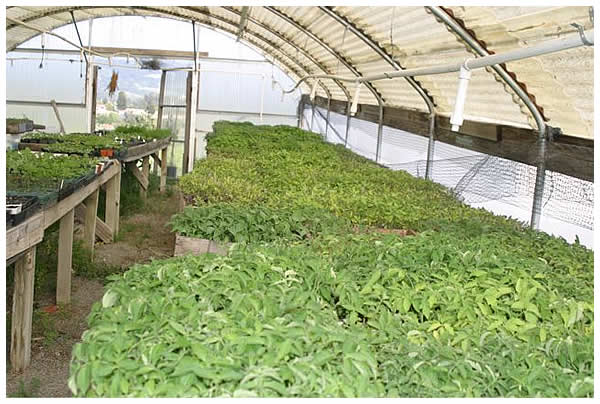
{"x":550,"y":77}
{"x":562,"y":83}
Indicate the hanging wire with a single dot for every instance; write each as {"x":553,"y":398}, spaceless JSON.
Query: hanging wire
{"x":80,"y":64}
{"x":392,"y":31}
{"x":78,"y":36}
{"x":337,"y":69}
{"x":194,"y":35}
{"x":43,"y":49}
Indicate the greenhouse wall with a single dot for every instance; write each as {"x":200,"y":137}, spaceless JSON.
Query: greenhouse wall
{"x":501,"y":186}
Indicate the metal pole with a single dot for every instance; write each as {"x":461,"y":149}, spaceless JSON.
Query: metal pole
{"x":328,"y":113}
{"x":540,"y":180}
{"x":312,"y":118}
{"x":347,"y":122}
{"x":379,"y":133}
{"x":538,"y":192}
{"x":430,"y":146}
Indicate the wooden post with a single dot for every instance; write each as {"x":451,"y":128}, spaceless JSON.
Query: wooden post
{"x":89,"y":230}
{"x":22,"y":311}
{"x":113,"y":196}
{"x":146,"y":175}
{"x":60,"y":122}
{"x":163,"y":170}
{"x":65,"y":255}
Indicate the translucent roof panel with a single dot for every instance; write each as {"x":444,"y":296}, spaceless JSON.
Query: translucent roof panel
{"x":360,"y":41}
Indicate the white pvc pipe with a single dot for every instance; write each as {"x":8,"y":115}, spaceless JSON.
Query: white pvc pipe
{"x":354,"y":106}
{"x":552,"y":46}
{"x":461,"y":96}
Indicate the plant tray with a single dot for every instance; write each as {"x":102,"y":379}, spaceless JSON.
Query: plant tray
{"x":29,"y":205}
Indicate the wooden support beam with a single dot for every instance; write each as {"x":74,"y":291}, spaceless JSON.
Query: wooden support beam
{"x":65,"y":256}
{"x":156,"y":160}
{"x":139,"y":175}
{"x":113,"y":196}
{"x":146,"y":175}
{"x":22,"y":311}
{"x":103,"y":231}
{"x":60,"y":122}
{"x":163,"y":170}
{"x":568,"y":155}
{"x":89,"y":230}
{"x":25,"y":235}
{"x":55,"y":212}
{"x":138,"y":152}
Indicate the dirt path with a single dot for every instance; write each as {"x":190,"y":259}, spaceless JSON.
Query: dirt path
{"x":142,"y":238}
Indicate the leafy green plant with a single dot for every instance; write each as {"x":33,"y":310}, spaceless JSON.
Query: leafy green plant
{"x":349,"y":315}
{"x":29,"y":171}
{"x":87,"y":143}
{"x":231,"y":223}
{"x":473,"y":305}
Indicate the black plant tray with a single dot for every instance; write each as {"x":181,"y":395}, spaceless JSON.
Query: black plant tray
{"x":38,"y":141}
{"x":30,"y":205}
{"x":74,"y":185}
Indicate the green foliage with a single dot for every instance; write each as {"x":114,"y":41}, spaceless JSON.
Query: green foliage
{"x":285,"y":166}
{"x":231,"y":223}
{"x":27,"y":171}
{"x":474,"y":305}
{"x":142,"y":132}
{"x":86,"y":143}
{"x":31,"y":165}
{"x":349,"y":315}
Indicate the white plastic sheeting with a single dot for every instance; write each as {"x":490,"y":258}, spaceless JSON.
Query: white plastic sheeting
{"x":500,"y":186}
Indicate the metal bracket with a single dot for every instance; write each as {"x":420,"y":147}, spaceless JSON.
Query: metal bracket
{"x":553,"y":133}
{"x":580,"y":29}
{"x":591,"y":14}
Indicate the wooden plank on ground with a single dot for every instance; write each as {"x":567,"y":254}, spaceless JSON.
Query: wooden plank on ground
{"x":103,"y":231}
{"x":65,"y":257}
{"x":89,"y":230}
{"x":22,"y":311}
{"x":197,"y":246}
{"x":25,"y":235}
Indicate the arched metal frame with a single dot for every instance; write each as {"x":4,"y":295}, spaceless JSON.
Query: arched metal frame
{"x":268,"y":47}
{"x":411,"y":80}
{"x":473,"y":43}
{"x":342,"y":60}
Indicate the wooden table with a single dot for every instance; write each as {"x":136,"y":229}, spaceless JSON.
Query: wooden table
{"x":21,"y":242}
{"x":143,"y":152}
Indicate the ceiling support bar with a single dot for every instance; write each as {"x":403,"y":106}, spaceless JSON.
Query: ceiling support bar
{"x":312,"y":36}
{"x":289,"y":42}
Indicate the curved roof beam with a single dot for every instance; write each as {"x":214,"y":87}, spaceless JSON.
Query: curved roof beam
{"x":329,"y":49}
{"x":186,"y":18}
{"x":291,"y":43}
{"x":256,"y":35}
{"x":382,"y":53}
{"x":453,"y":25}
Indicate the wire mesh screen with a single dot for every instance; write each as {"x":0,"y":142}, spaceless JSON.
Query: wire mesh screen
{"x":499,"y":185}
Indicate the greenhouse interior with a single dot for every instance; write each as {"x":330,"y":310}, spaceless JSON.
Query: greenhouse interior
{"x":299,"y":201}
